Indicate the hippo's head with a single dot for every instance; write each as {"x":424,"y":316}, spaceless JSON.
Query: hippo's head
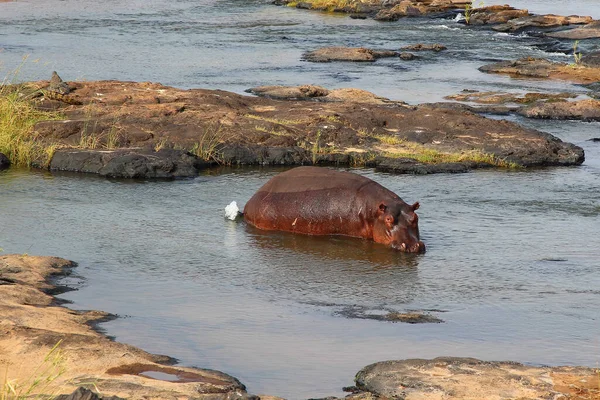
{"x":397,"y":225}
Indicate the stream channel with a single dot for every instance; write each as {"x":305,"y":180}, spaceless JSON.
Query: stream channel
{"x":512,"y":266}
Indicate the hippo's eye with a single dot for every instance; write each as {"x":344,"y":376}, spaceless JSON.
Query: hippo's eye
{"x":389,"y":219}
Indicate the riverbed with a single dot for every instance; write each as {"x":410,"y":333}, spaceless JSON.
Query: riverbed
{"x":512,"y":260}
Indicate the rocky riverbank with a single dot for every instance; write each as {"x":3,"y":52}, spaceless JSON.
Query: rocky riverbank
{"x":147,"y":130}
{"x":41,"y":339}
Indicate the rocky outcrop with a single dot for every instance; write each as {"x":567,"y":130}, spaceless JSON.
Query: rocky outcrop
{"x":32,"y":325}
{"x":425,"y":47}
{"x":312,"y":92}
{"x":345,"y":126}
{"x":584,"y":110}
{"x":542,"y":68}
{"x":493,"y":15}
{"x":589,"y":31}
{"x":129,"y":163}
{"x":452,"y":378}
{"x":504,"y":98}
{"x":541,"y":22}
{"x":4,"y":162}
{"x":355,"y":54}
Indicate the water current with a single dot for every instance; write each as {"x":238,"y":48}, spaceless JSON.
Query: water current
{"x":513,"y":256}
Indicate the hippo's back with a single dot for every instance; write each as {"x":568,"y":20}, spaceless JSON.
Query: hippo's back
{"x":313,"y":200}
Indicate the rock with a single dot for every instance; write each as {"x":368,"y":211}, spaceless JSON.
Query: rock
{"x":533,"y":67}
{"x":594,"y":139}
{"x":405,"y":8}
{"x":589,"y":31}
{"x":32,"y":324}
{"x":290,"y":92}
{"x":4,"y":162}
{"x":82,"y":393}
{"x":424,"y":47}
{"x":591,"y":60}
{"x":503,"y":98}
{"x":542,"y":68}
{"x":407,"y":56}
{"x":541,"y":21}
{"x":584,"y":110}
{"x":129,"y":163}
{"x":410,"y":166}
{"x":356,"y":54}
{"x":310,"y":92}
{"x":493,"y":15}
{"x":468,"y":378}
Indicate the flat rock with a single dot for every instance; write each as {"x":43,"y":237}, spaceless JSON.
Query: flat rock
{"x":32,"y":325}
{"x":355,"y":54}
{"x":471,"y":379}
{"x":346,"y":126}
{"x":4,"y":162}
{"x":504,"y":98}
{"x":584,"y":110}
{"x":541,"y":21}
{"x":493,"y":15}
{"x":290,"y":92}
{"x":542,"y":68}
{"x":589,"y":31}
{"x":128,"y":163}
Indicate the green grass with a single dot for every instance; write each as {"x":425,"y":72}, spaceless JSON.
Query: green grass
{"x":431,"y":156}
{"x":18,"y":116}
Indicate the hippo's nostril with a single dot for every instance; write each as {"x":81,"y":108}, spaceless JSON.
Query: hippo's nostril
{"x":403,"y":247}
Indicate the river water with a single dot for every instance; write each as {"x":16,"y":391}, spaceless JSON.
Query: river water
{"x":512,"y":266}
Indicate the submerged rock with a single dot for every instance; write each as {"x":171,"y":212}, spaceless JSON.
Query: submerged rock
{"x":4,"y":162}
{"x":424,"y":47}
{"x":356,"y":54}
{"x":468,"y":378}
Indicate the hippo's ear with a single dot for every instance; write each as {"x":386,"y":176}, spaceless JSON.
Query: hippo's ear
{"x":415,"y":206}
{"x":382,"y":207}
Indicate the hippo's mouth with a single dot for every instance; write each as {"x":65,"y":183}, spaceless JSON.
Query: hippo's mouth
{"x":418,"y":247}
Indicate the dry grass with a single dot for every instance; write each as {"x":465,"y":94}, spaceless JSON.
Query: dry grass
{"x":207,"y":146}
{"x":18,"y":116}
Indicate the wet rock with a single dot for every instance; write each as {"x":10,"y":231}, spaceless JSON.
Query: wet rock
{"x":356,"y":54}
{"x":407,"y":56}
{"x":541,"y":21}
{"x":128,"y":163}
{"x":82,"y":393}
{"x":468,"y":378}
{"x":594,"y":139}
{"x":265,"y":155}
{"x":493,"y":15}
{"x":589,"y":31}
{"x":290,"y":92}
{"x":410,"y":166}
{"x":585,"y":110}
{"x":4,"y":162}
{"x":424,"y":47}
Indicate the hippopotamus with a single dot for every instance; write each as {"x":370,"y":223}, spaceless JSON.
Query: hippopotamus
{"x":322,"y":201}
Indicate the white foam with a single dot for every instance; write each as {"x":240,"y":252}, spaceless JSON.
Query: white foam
{"x":232,"y":211}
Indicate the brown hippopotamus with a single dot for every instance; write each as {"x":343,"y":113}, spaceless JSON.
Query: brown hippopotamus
{"x":321,"y":201}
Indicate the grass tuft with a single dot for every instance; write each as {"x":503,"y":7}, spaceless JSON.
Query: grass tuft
{"x":39,"y":385}
{"x":207,"y":146}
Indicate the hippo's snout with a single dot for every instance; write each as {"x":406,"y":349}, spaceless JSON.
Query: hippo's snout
{"x":418,"y":247}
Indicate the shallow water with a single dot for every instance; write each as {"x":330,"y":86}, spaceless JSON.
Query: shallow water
{"x":512,"y":261}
